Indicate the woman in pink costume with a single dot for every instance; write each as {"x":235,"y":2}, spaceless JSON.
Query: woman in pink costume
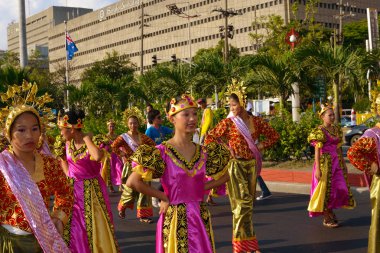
{"x":329,"y":188}
{"x":91,"y":224}
{"x":181,"y":165}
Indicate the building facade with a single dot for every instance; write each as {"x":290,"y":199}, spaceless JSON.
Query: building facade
{"x":37,"y":28}
{"x":118,"y":27}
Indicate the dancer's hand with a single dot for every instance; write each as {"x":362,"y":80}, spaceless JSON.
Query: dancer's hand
{"x":318,"y":174}
{"x":164,"y":205}
{"x":374,"y":168}
{"x":58,"y":225}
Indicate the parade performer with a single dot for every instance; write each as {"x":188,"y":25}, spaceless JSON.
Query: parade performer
{"x":181,"y":165}
{"x":364,"y":154}
{"x":329,"y":188}
{"x":91,"y":224}
{"x":124,"y":146}
{"x":241,"y":131}
{"x":112,"y":166}
{"x":207,"y":121}
{"x":29,"y":178}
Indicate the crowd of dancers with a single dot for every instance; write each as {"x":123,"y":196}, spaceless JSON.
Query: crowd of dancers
{"x":223,"y":158}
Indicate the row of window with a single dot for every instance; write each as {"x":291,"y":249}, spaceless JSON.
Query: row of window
{"x":167,"y":30}
{"x":16,"y":39}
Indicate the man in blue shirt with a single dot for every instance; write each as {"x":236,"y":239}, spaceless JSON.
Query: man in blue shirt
{"x":157,"y":132}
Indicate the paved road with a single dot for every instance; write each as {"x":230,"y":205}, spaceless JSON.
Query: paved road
{"x":281,"y":224}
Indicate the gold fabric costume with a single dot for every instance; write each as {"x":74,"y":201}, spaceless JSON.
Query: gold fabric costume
{"x":374,"y":233}
{"x":241,"y":191}
{"x":12,"y":243}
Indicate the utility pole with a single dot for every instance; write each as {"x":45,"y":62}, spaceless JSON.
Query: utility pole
{"x":22,"y":35}
{"x":226,"y":14}
{"x":339,"y":41}
{"x":178,"y":12}
{"x":142,"y":38}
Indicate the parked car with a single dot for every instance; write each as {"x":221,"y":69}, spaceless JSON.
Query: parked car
{"x":345,"y":121}
{"x":354,"y":133}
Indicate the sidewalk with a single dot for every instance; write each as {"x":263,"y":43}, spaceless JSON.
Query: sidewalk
{"x":299,"y":180}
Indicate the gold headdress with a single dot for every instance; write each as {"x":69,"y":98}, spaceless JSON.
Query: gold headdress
{"x":20,"y":99}
{"x":239,"y":90}
{"x":64,"y":122}
{"x":110,"y":122}
{"x":186,"y":102}
{"x":133,"y":112}
{"x":324,"y":108}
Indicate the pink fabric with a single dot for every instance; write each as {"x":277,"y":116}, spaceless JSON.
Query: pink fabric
{"x":243,"y":129}
{"x":373,"y":133}
{"x":32,"y":204}
{"x":183,"y":189}
{"x":116,"y":165}
{"x":80,"y":170}
{"x":339,"y":195}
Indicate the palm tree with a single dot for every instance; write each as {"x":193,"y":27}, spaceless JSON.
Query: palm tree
{"x":334,"y":64}
{"x":275,"y":74}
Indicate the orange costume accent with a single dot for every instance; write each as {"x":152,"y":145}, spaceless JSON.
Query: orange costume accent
{"x":243,"y":173}
{"x":363,"y":153}
{"x":50,"y":180}
{"x":120,"y":147}
{"x":228,"y":132}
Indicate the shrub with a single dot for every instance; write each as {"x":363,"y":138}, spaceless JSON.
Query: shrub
{"x":293,"y":136}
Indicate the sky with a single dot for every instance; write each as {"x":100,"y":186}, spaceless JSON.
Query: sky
{"x":9,"y":11}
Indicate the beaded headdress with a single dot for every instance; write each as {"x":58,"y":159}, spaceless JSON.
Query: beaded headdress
{"x":133,"y":112}
{"x":186,"y":102}
{"x":23,"y":98}
{"x":324,"y":108}
{"x":110,"y":122}
{"x":239,"y":90}
{"x":64,"y":122}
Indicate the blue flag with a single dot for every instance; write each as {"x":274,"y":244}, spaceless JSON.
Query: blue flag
{"x":71,"y":48}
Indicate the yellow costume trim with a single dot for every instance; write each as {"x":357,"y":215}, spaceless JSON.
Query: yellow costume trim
{"x":218,"y":157}
{"x":150,"y":158}
{"x":317,"y":135}
{"x":146,"y":174}
{"x":185,"y":103}
{"x":245,"y":239}
{"x":324,"y":108}
{"x":64,"y":122}
{"x":321,"y":193}
{"x":133,"y":112}
{"x":239,"y":90}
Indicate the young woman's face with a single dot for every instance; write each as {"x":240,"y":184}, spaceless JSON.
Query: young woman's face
{"x":25,"y":133}
{"x":133,"y":124}
{"x":186,"y":120}
{"x":328,"y":117}
{"x":111,"y":128}
{"x":235,"y":107}
{"x":66,"y":133}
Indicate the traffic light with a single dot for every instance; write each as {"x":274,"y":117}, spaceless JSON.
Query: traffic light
{"x":174,"y":59}
{"x":154,"y":60}
{"x":231,"y":33}
{"x":221,"y":30}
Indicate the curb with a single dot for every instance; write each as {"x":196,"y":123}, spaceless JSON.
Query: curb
{"x":299,"y":188}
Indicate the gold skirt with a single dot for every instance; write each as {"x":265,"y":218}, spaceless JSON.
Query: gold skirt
{"x":12,"y":243}
{"x":374,"y":235}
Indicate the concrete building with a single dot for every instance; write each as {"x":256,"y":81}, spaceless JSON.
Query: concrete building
{"x":37,"y":28}
{"x":117,"y":27}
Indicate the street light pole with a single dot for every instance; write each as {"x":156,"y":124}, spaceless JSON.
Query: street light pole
{"x":226,"y":32}
{"x":142,"y":40}
{"x":22,"y":35}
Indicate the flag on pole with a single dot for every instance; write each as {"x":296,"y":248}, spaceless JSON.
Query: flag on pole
{"x":71,"y":48}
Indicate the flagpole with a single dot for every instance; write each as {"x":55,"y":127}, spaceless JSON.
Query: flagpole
{"x":67,"y":70}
